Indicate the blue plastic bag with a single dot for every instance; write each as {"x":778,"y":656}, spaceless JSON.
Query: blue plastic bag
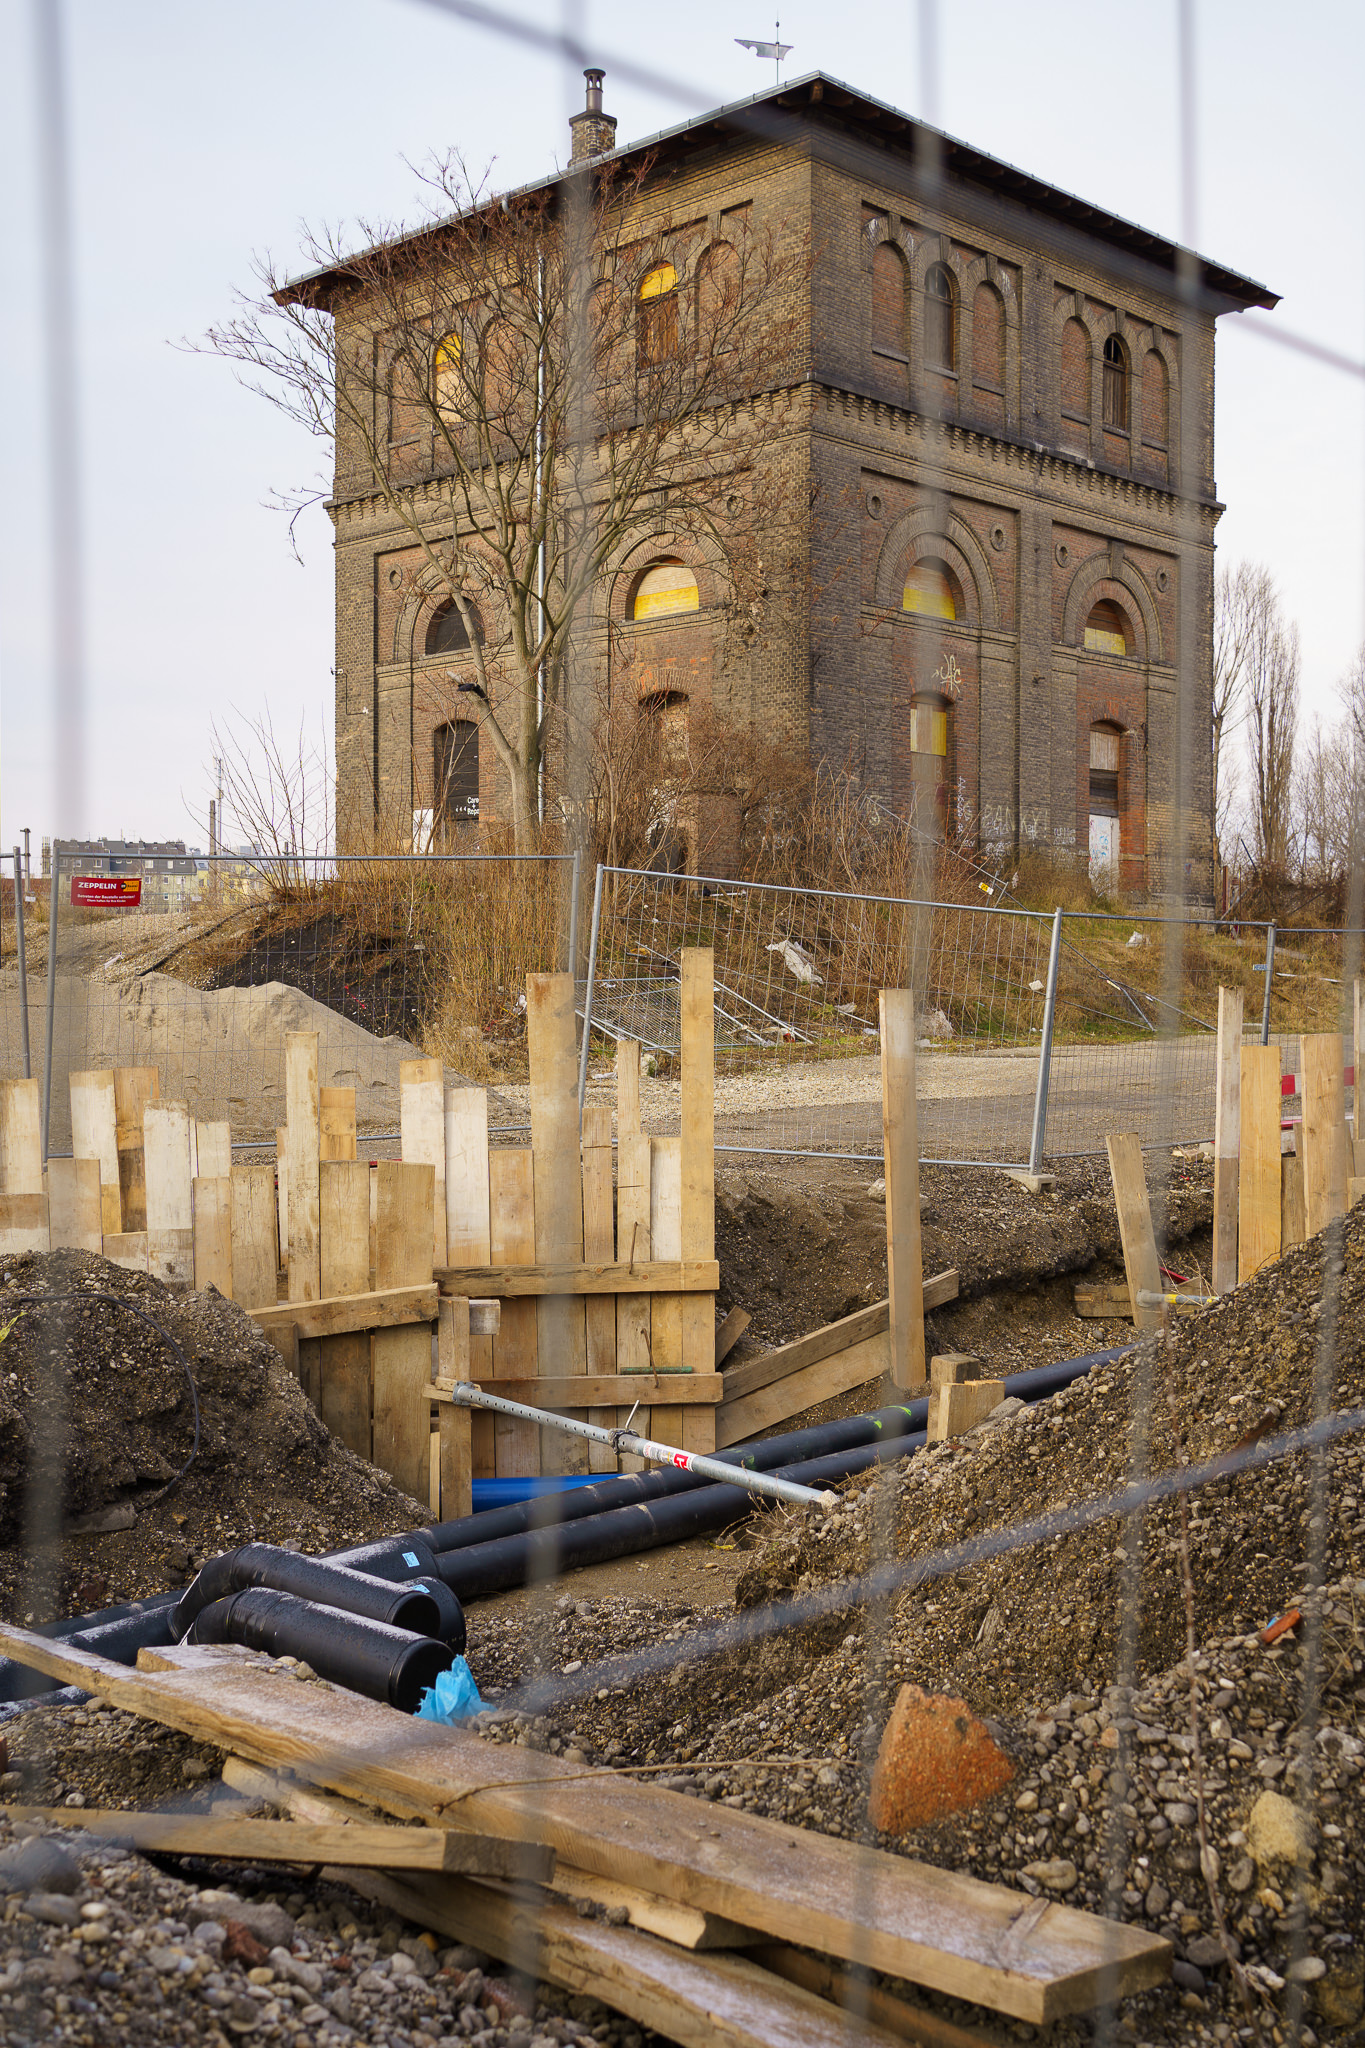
{"x":454,"y":1697}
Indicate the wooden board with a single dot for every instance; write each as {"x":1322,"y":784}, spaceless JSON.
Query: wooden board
{"x":255,"y":1236}
{"x":1323,"y":1134}
{"x":1140,"y":1265}
{"x":1227,"y":1138}
{"x":665,"y":1310}
{"x":23,"y":1225}
{"x":657,"y":1276}
{"x":170,"y":1256}
{"x":1105,"y":1300}
{"x":21,"y":1137}
{"x":627,"y":1089}
{"x":852,"y":1991}
{"x":301,"y":1159}
{"x":467,"y":1240}
{"x":512,"y":1236}
{"x":758,"y":1413}
{"x":697,"y":1389}
{"x":344,"y":1359}
{"x":336,"y":1123}
{"x":1293,"y":1228}
{"x":1036,"y":1960}
{"x":900,"y":1151}
{"x":213,"y":1233}
{"x":1258,"y":1203}
{"x":134,"y":1088}
{"x":454,"y":1479}
{"x":94,"y":1135}
{"x":730,"y":1332}
{"x":831,"y":1339}
{"x":282,"y":1194}
{"x":422,"y":1124}
{"x":1355,"y":1190}
{"x":213,"y":1153}
{"x":599,"y":1243}
{"x":551,"y":1033}
{"x":127,"y":1248}
{"x":402,"y":1357}
{"x":633,"y":1312}
{"x":685,"y":1926}
{"x":74,"y":1206}
{"x":698,"y":1315}
{"x":955,"y":1409}
{"x":169,"y":1191}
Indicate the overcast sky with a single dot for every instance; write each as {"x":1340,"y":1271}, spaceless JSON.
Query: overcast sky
{"x":203,"y":134}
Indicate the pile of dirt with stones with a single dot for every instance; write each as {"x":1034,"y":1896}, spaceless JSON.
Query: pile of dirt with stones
{"x":97,"y":1428}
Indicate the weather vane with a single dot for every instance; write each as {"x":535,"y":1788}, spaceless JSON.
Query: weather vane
{"x":776,"y":49}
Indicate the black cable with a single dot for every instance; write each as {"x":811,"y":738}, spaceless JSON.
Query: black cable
{"x":122,"y":1301}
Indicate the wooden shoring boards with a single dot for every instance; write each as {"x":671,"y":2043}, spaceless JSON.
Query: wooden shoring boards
{"x":900,"y":1148}
{"x":467,"y":1241}
{"x":647,"y":1276}
{"x":455,"y":1471}
{"x":599,"y":1242}
{"x":402,"y":1357}
{"x":23,"y":1225}
{"x":336,"y":1123}
{"x":1227,"y":1138}
{"x":213,"y":1233}
{"x":74,"y":1205}
{"x":1259,"y":1191}
{"x":134,"y":1088}
{"x":1140,"y":1263}
{"x":302,"y":1165}
{"x":1323,"y":1131}
{"x":169,"y":1191}
{"x":1292,"y":1230}
{"x":665,"y":1310}
{"x":344,"y":1361}
{"x":213,"y":1151}
{"x":282,"y":1197}
{"x":512,"y":1234}
{"x":21,"y":1137}
{"x":94,"y":1135}
{"x":698,"y":1312}
{"x":634,"y":1166}
{"x":553,"y":1054}
{"x":627,"y":1089}
{"x":255,"y":1236}
{"x":422,"y":1123}
{"x":1034,"y":1959}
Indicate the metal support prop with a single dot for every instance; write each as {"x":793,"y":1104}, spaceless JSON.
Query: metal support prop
{"x":1035,"y":1149}
{"x":465,"y":1395}
{"x":23,"y":964}
{"x":1147,"y":1297}
{"x":54,"y":893}
{"x":1269,"y":977}
{"x":587,"y":992}
{"x":575,"y":872}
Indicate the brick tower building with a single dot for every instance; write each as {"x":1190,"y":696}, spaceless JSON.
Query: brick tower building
{"x":997,"y":446}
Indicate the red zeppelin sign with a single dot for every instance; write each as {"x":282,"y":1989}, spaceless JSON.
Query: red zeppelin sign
{"x":106,"y":892}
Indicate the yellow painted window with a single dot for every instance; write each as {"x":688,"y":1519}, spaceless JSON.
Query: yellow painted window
{"x":661,"y":279}
{"x":449,"y":376}
{"x":668,"y":587}
{"x":928,"y":590}
{"x":658,"y":315}
{"x":1104,"y":633}
{"x":928,"y":729}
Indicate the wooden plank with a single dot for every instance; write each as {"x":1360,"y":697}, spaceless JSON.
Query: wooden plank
{"x":23,"y":1225}
{"x":213,"y":1233}
{"x":1140,"y":1264}
{"x":282,"y":1191}
{"x":953,"y":1368}
{"x":698,"y":1315}
{"x":900,"y":1151}
{"x":599,"y":1242}
{"x":402,"y":1357}
{"x":1355,"y":1190}
{"x":551,"y":1034}
{"x":467,"y":1240}
{"x":956,"y":1408}
{"x":507,"y":1282}
{"x":344,"y":1392}
{"x":422,"y":1125}
{"x":21,"y":1137}
{"x":952,"y":1933}
{"x":627,"y":1089}
{"x":739,"y":1418}
{"x":127,"y":1248}
{"x":301,"y":1157}
{"x":255,"y":1236}
{"x":694,"y":1389}
{"x":169,"y":1190}
{"x":296,"y":1841}
{"x":336,"y":1123}
{"x":685,"y":1926}
{"x":665,"y":1310}
{"x":730,"y":1332}
{"x":134,"y":1088}
{"x":213,"y":1156}
{"x":633,"y":1311}
{"x":1323,"y":1131}
{"x":94,"y":1135}
{"x":512,"y":1236}
{"x":170,"y":1256}
{"x":1227,"y":1138}
{"x":1258,"y":1204}
{"x":831,"y":1338}
{"x":386,"y":1308}
{"x":74,"y":1207}
{"x":1293,"y":1229}
{"x":456,"y":1471}
{"x":852,"y":1991}
{"x":1104,"y":1300}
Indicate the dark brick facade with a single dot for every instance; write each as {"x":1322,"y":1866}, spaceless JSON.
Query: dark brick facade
{"x":998,"y":381}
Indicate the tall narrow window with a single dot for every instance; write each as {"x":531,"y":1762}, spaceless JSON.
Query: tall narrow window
{"x":940,"y":337}
{"x":1075,"y":371}
{"x":988,"y":339}
{"x":1154,"y":402}
{"x":457,"y":772}
{"x":888,"y":300}
{"x":451,"y":395}
{"x":1115,"y":384}
{"x":658,"y":330}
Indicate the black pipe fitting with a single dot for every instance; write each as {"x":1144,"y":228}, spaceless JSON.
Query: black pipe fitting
{"x":369,"y":1657}
{"x":412,"y":1606}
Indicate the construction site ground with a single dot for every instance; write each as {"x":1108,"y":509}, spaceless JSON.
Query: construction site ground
{"x":1102,"y":1810}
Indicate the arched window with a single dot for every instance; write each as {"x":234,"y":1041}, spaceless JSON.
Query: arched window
{"x":1155,"y":425}
{"x":988,"y":339}
{"x":665,"y":588}
{"x":1115,"y":384}
{"x":1106,"y":631}
{"x":929,"y":727}
{"x":456,"y":767}
{"x":888,"y":300}
{"x":1075,"y":371}
{"x":658,"y":325}
{"x":929,"y":589}
{"x":940,"y":336}
{"x":448,"y":376}
{"x":447,"y":632}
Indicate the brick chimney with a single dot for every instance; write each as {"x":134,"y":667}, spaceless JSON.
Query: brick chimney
{"x":593,"y":131}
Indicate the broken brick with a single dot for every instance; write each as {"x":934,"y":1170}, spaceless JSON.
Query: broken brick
{"x":241,"y":1946}
{"x":935,"y":1758}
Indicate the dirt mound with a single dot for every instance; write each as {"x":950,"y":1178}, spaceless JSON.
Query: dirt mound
{"x":97,"y":1414}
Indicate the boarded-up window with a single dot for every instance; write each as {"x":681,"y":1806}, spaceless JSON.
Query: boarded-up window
{"x":1154,"y":400}
{"x":457,"y":772}
{"x":1115,"y":385}
{"x":888,"y":300}
{"x":1106,"y":631}
{"x":988,"y":339}
{"x":658,"y":330}
{"x":452,"y":398}
{"x":666,"y":588}
{"x":1075,"y":371}
{"x":447,"y":632}
{"x":928,"y":728}
{"x":940,"y":325}
{"x":719,"y":293}
{"x":1104,"y":768}
{"x":405,"y":402}
{"x":929,"y":589}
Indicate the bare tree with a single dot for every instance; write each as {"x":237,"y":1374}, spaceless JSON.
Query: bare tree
{"x":1329,"y":787}
{"x":279,"y":792}
{"x":1243,"y":600}
{"x":531,"y":385}
{"x":1271,"y":685}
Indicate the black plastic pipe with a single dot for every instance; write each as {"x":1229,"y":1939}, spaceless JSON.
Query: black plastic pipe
{"x":418,"y":1609}
{"x":368,"y":1657}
